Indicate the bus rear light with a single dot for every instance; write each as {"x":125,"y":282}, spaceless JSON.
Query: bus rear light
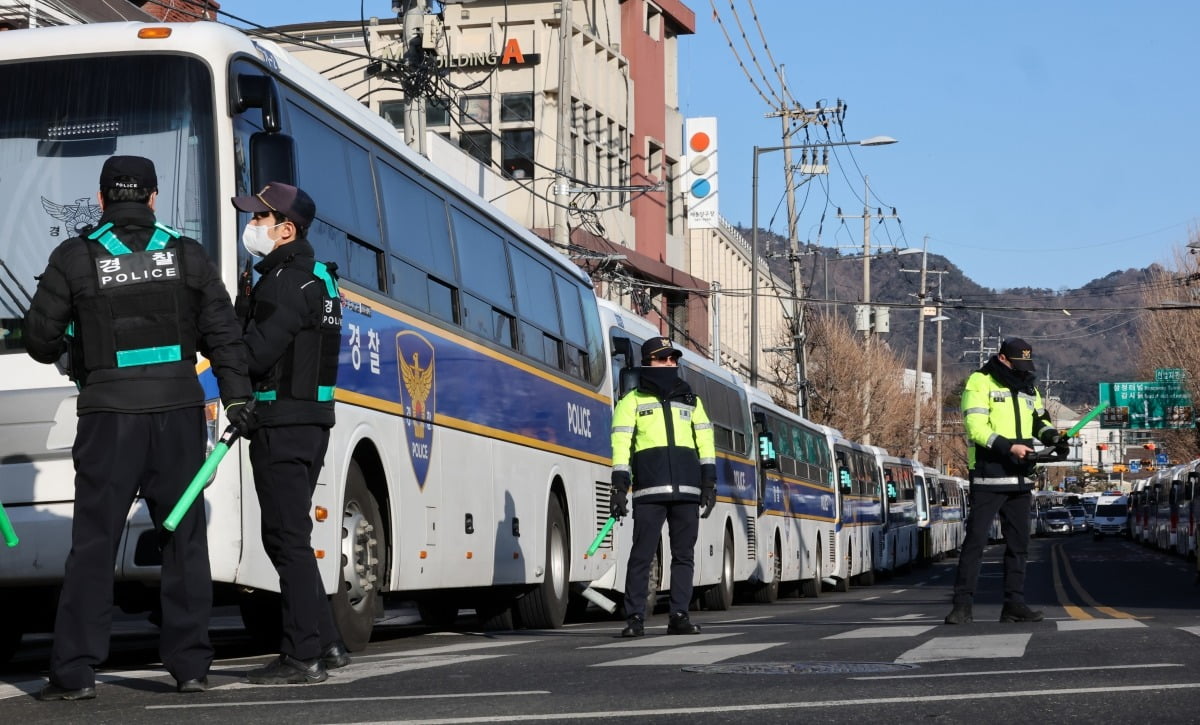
{"x":424,"y":554}
{"x":157,"y":33}
{"x":319,"y":553}
{"x":470,"y":554}
{"x":321,"y":513}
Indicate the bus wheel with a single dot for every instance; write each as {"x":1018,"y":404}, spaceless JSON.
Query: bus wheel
{"x":768,"y":592}
{"x":262,"y":616}
{"x":545,"y":606}
{"x":812,"y":587}
{"x":719,"y":596}
{"x":356,"y":601}
{"x":843,"y":584}
{"x":11,"y":631}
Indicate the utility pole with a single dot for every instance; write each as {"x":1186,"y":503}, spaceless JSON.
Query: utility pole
{"x":937,"y":375}
{"x":562,"y":158}
{"x":414,"y":107}
{"x":866,"y":302}
{"x":805,"y":117}
{"x":918,"y":372}
{"x":716,"y":322}
{"x":984,"y":349}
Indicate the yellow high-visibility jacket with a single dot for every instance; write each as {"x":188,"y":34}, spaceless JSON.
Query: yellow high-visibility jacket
{"x":997,"y":417}
{"x":663,"y":443}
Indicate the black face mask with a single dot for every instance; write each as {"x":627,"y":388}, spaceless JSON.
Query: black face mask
{"x":662,"y":378}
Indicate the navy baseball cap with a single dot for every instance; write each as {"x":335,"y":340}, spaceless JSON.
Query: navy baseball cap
{"x":297,"y":206}
{"x":128,"y":172}
{"x":659,"y":348}
{"x":1019,"y":353}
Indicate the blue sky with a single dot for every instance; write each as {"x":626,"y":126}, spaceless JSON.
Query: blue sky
{"x":1040,"y":143}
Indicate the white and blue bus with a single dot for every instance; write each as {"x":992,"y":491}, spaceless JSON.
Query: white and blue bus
{"x":860,"y":489}
{"x":801,"y":511}
{"x":470,"y":461}
{"x":727,"y":545}
{"x":900,"y":533}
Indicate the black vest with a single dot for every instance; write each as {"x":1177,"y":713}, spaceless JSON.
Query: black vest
{"x":141,"y":312}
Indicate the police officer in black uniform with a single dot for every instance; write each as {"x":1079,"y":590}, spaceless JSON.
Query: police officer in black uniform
{"x":132,"y":301}
{"x":292,"y":333}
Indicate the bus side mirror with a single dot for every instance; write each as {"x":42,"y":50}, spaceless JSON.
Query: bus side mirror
{"x":272,"y":158}
{"x":623,"y":346}
{"x":630,"y":379}
{"x":255,"y":91}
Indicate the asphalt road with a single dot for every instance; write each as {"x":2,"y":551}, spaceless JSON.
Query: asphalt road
{"x":1120,"y":643}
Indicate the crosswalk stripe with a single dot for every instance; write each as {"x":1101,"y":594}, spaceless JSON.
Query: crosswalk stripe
{"x":1075,"y":625}
{"x":882,"y":631}
{"x":691,"y":639}
{"x":1191,"y":630}
{"x":698,"y":655}
{"x":354,"y":672}
{"x":982,"y":646}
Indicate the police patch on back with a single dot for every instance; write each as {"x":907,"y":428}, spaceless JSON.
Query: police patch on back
{"x":137,"y":268}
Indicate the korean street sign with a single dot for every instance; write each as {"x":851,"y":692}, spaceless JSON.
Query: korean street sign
{"x":1169,"y":375}
{"x":1147,"y":405}
{"x":1135,"y":465}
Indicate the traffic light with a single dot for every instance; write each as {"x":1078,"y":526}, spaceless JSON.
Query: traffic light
{"x":1102,"y":446}
{"x":1149,"y":446}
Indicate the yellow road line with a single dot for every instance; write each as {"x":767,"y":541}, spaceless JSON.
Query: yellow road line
{"x":1073,"y":611}
{"x":1083,"y":593}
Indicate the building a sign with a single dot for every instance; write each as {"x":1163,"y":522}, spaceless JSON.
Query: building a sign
{"x":511,"y":57}
{"x":700,"y":172}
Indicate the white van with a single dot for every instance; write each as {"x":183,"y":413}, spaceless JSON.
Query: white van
{"x":1112,"y":516}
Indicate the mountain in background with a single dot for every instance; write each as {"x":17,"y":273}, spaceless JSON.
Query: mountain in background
{"x":1080,"y":349}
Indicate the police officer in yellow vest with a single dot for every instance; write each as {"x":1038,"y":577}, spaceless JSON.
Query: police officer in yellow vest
{"x":663,"y":447}
{"x":1003,"y":414}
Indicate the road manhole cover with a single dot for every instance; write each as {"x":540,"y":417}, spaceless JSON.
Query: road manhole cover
{"x":797,"y":668}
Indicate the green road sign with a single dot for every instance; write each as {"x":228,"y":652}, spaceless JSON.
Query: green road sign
{"x":1148,"y":405}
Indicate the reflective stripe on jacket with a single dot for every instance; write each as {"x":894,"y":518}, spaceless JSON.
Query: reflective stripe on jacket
{"x":996,"y":418}
{"x":662,"y":452}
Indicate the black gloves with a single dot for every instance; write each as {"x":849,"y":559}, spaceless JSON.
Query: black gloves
{"x":240,"y":414}
{"x":708,"y":489}
{"x":1053,"y":438}
{"x":618,"y":502}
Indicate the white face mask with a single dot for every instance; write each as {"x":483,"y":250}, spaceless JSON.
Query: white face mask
{"x":256,"y":239}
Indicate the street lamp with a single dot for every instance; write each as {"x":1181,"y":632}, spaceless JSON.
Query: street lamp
{"x":758,"y":151}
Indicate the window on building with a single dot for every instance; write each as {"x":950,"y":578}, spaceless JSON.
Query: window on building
{"x":476,"y":108}
{"x":478,"y":144}
{"x":516,"y":107}
{"x":654,"y":159}
{"x":437,"y":112}
{"x":516,"y":152}
{"x":393,"y":111}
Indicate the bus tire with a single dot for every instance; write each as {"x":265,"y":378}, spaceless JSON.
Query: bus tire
{"x":11,"y":631}
{"x":768,"y":592}
{"x":545,"y":606}
{"x":812,"y":587}
{"x":719,"y":596}
{"x":357,"y":599}
{"x":262,"y":616}
{"x":843,"y":584}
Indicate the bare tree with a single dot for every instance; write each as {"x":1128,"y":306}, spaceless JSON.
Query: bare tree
{"x":1170,"y":338}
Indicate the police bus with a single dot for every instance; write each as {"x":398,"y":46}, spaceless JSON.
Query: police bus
{"x":473,"y":401}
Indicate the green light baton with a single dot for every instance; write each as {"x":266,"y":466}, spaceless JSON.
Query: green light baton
{"x":600,"y":536}
{"x":200,"y":480}
{"x":10,"y":536}
{"x":1086,"y":419}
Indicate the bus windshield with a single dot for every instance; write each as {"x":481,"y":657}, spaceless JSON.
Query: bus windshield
{"x":60,"y":119}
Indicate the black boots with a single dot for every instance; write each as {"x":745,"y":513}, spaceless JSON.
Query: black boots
{"x":961,"y":614}
{"x":680,"y":624}
{"x":635,"y":626}
{"x":1019,"y":612}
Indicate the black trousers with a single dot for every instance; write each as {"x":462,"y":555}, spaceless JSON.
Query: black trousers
{"x":1013,"y":508}
{"x":117,"y":456}
{"x":683,"y":526}
{"x":286,"y":461}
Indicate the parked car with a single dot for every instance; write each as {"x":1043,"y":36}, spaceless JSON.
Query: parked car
{"x":1054,"y":521}
{"x":1079,"y":520}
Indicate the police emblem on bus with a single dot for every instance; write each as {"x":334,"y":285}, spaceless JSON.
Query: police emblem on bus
{"x":418,"y":395}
